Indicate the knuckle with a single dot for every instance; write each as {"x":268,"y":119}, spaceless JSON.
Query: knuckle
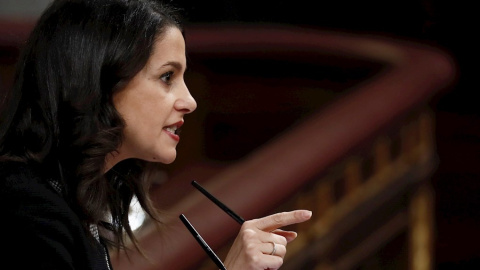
{"x":250,"y":248}
{"x":278,"y":218}
{"x":283,"y":250}
{"x":248,"y":234}
{"x":282,"y":240}
{"x":254,"y":261}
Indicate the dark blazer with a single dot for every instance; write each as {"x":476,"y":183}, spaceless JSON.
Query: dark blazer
{"x":39,"y":229}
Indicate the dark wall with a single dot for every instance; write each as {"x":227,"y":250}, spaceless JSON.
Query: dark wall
{"x":442,"y":23}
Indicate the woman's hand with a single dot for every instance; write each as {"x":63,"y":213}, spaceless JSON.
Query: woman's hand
{"x":261,"y":244}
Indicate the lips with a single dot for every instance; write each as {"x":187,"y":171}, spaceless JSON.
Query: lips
{"x":174,"y":130}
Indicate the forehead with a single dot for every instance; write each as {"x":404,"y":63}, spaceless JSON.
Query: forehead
{"x":169,"y":47}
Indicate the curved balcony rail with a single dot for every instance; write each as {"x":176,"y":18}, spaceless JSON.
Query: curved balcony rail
{"x":298,"y":118}
{"x":359,"y":154}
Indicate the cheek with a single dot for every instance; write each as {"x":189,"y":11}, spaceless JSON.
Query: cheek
{"x":138,"y":110}
{"x":145,"y":111}
{"x":148,"y":121}
{"x":158,"y":109}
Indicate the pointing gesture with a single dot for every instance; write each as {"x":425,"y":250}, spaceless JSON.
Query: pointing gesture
{"x":261,"y":244}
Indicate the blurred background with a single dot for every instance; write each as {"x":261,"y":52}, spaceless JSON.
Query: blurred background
{"x":443,"y":24}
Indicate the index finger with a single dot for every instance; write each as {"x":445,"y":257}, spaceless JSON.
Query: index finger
{"x":278,"y":220}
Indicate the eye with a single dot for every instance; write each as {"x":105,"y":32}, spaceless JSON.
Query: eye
{"x":166,"y":77}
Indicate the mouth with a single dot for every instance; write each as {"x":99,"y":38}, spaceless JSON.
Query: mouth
{"x":175,"y":128}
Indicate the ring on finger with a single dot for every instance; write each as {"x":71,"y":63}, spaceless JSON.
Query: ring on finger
{"x":274,"y":248}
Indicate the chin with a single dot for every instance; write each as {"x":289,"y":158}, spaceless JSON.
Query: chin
{"x":168,"y":161}
{"x":165,"y":159}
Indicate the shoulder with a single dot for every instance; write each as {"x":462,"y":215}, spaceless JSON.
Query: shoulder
{"x":26,"y":194}
{"x":20,"y":179}
{"x":41,"y":217}
{"x":27,"y":189}
{"x":11,"y":168}
{"x":29,"y":202}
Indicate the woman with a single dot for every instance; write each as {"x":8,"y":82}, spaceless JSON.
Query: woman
{"x":99,"y":93}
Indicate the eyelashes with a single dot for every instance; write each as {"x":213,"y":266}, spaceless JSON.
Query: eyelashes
{"x":167,"y":77}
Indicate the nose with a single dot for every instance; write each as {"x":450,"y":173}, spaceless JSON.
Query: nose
{"x":185,"y":103}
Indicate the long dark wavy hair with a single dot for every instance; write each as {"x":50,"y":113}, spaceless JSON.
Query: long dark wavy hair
{"x":60,"y":113}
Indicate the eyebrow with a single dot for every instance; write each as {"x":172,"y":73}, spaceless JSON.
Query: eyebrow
{"x":175,"y":64}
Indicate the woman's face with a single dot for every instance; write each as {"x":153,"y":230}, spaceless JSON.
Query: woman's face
{"x":154,"y":103}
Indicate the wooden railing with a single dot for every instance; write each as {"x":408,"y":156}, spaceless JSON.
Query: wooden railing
{"x":366,"y":200}
{"x":360,"y":160}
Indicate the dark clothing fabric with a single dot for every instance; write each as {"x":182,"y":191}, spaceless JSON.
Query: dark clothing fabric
{"x":40,"y":230}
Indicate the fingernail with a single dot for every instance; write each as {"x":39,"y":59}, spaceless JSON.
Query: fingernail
{"x":307,"y":214}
